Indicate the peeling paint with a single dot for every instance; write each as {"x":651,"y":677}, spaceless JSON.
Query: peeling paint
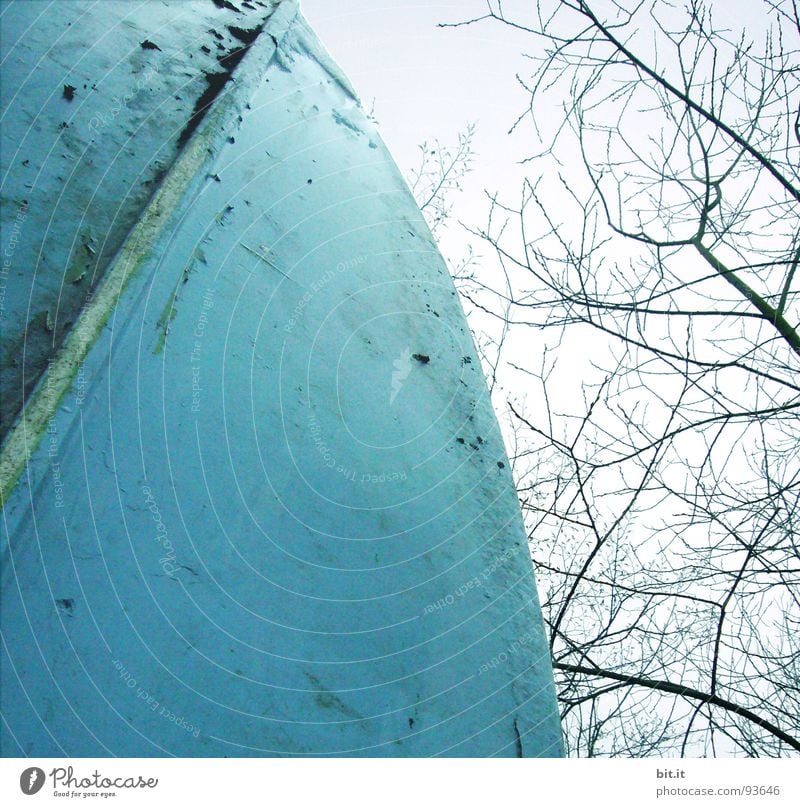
{"x":23,"y":438}
{"x":282,"y":488}
{"x":76,"y":135}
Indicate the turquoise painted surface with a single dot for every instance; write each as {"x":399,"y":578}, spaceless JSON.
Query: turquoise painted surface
{"x":94,"y":101}
{"x":274,"y":515}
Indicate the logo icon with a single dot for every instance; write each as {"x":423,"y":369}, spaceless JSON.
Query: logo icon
{"x":402,"y":367}
{"x":31,"y":781}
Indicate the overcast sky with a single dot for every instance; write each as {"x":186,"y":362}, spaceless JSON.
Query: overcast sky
{"x":430,"y":82}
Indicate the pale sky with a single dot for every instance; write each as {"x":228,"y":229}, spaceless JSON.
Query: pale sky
{"x":430,"y":82}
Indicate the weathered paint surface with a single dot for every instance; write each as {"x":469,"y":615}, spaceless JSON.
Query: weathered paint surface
{"x":94,"y":102}
{"x":272,"y":514}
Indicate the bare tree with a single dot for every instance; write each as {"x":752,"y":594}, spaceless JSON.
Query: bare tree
{"x":658,"y":246}
{"x":439,"y":174}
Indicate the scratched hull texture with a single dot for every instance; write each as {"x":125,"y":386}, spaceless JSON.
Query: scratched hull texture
{"x":95,"y":100}
{"x":273,"y":515}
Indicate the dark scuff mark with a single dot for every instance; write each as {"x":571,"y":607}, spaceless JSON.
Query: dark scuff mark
{"x":157,"y":177}
{"x":421,"y":358}
{"x":146,"y":44}
{"x":226,"y":4}
{"x":326,"y":699}
{"x":245,"y":35}
{"x":343,"y":121}
{"x":69,"y":92}
{"x":217,"y":81}
{"x":66,"y":605}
